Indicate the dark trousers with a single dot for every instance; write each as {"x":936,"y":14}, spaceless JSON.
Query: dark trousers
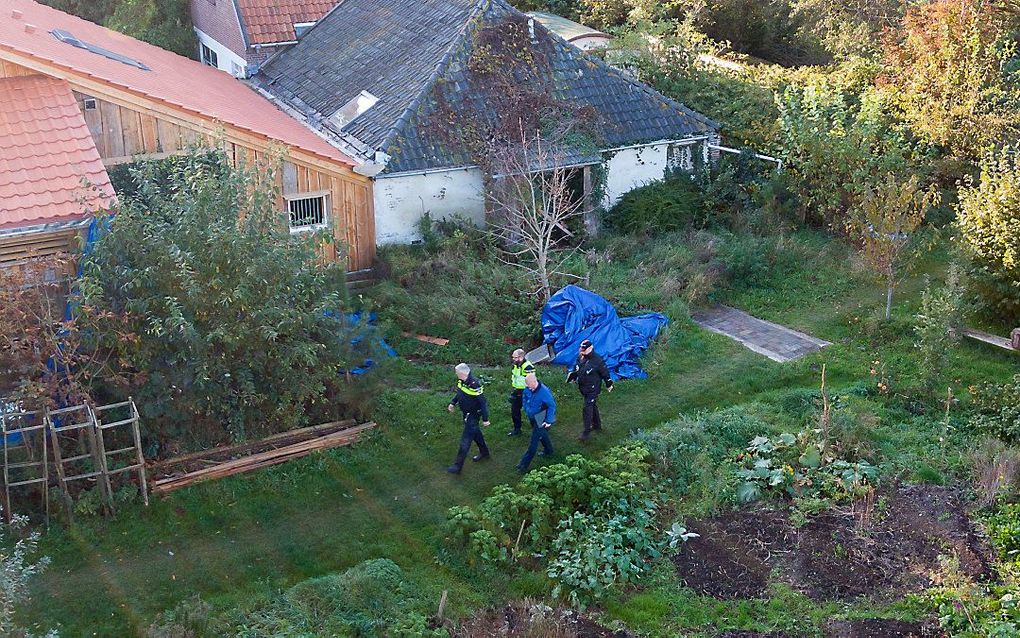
{"x":516,"y":405}
{"x":590,"y":413}
{"x":538,"y":434}
{"x":472,"y":433}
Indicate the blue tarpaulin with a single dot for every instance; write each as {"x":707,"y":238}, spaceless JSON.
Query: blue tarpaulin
{"x":574,"y":314}
{"x":365,"y":329}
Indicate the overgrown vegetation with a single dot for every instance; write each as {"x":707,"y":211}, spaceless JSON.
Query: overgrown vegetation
{"x":218,"y":321}
{"x":164,"y":23}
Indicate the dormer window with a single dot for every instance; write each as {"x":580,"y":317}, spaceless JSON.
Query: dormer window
{"x":353,"y":109}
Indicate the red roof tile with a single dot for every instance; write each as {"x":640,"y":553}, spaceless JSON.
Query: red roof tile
{"x":171,"y":79}
{"x":45,"y":153}
{"x":272,"y":21}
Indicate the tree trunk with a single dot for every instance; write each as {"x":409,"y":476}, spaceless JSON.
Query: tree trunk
{"x":888,"y":300}
{"x":591,"y":220}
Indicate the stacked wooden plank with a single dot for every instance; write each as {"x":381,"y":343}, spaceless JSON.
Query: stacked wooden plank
{"x":279,"y":448}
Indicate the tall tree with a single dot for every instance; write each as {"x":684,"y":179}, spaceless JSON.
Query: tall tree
{"x":953,"y":71}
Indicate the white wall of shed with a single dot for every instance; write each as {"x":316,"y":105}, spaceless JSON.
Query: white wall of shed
{"x":630,"y":168}
{"x":224,"y":56}
{"x":401,"y":201}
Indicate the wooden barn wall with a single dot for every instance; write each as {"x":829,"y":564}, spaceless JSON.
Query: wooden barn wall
{"x":15,"y":248}
{"x":125,"y":135}
{"x":11,"y":70}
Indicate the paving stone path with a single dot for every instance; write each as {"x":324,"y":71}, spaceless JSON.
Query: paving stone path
{"x":776,"y":342}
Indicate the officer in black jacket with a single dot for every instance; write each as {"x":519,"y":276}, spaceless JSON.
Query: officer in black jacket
{"x":590,"y":373}
{"x":470,"y":397}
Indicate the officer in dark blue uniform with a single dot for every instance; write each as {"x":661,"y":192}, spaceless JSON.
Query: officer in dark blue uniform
{"x":590,"y":373}
{"x":470,"y":398}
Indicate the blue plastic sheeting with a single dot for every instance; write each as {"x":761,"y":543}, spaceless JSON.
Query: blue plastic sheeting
{"x":376,"y":343}
{"x":574,"y":314}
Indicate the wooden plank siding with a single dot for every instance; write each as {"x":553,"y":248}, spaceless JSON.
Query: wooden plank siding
{"x":129,"y":130}
{"x":15,"y":248}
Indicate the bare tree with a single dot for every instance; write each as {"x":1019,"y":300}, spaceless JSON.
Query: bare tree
{"x":531,"y":201}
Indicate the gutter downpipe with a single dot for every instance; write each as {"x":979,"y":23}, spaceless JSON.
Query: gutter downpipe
{"x":766,"y":158}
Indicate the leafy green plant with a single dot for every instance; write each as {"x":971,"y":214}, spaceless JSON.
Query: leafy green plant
{"x":794,"y":465}
{"x":594,"y":552}
{"x":674,"y":204}
{"x":1004,"y":530}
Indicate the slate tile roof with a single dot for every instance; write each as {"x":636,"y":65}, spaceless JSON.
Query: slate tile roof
{"x":184,"y":84}
{"x":46,"y":151}
{"x":272,"y":21}
{"x":399,"y":50}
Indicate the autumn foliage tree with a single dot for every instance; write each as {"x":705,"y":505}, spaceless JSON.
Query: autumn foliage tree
{"x":953,"y":73}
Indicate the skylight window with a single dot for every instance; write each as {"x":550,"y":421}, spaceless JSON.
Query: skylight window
{"x":68,"y":38}
{"x":353,"y":109}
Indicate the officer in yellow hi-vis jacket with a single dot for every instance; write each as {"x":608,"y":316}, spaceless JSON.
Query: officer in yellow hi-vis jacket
{"x":520,"y":370}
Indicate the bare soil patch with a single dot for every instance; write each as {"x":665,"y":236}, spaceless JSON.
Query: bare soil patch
{"x":735,"y":553}
{"x":839,"y":554}
{"x":526,"y":619}
{"x":878,"y":628}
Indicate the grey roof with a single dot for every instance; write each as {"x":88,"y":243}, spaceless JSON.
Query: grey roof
{"x":405,"y":51}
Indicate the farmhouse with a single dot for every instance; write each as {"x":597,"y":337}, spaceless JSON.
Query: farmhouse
{"x":77,"y":99}
{"x":237,"y":36}
{"x":389,"y":82}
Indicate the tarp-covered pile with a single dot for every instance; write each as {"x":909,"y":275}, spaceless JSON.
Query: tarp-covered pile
{"x":574,"y":314}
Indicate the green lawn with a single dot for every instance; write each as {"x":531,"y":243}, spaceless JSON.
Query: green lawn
{"x":244,"y":537}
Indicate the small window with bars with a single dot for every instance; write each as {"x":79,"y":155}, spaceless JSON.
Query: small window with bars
{"x":308,"y":212}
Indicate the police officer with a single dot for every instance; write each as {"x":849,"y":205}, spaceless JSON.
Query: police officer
{"x":521,"y":369}
{"x":590,"y":373}
{"x":470,"y":397}
{"x":540,"y":407}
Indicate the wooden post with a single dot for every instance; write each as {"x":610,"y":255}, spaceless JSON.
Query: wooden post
{"x":58,"y":461}
{"x":591,"y":221}
{"x":7,"y":489}
{"x":142,"y":481}
{"x":99,"y":454}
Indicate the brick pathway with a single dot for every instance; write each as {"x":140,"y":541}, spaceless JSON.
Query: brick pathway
{"x":776,"y":342}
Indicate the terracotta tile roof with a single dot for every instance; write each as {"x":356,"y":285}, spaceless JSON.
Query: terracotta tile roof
{"x":45,"y":153}
{"x":174,"y":80}
{"x":272,"y":21}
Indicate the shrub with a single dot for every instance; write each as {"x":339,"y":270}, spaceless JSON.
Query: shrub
{"x":996,"y":469}
{"x":937,"y":329}
{"x":673,"y":204}
{"x":998,"y":408}
{"x":216,"y":320}
{"x":372,"y":598}
{"x":988,"y":219}
{"x":18,"y":564}
{"x":592,"y":517}
{"x":593,"y":554}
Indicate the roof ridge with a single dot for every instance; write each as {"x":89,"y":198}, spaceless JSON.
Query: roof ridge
{"x":612,"y":70}
{"x":441,"y":66}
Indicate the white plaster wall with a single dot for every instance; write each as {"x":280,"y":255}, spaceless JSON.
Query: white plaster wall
{"x":224,"y":56}
{"x":401,"y":201}
{"x":633,"y":167}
